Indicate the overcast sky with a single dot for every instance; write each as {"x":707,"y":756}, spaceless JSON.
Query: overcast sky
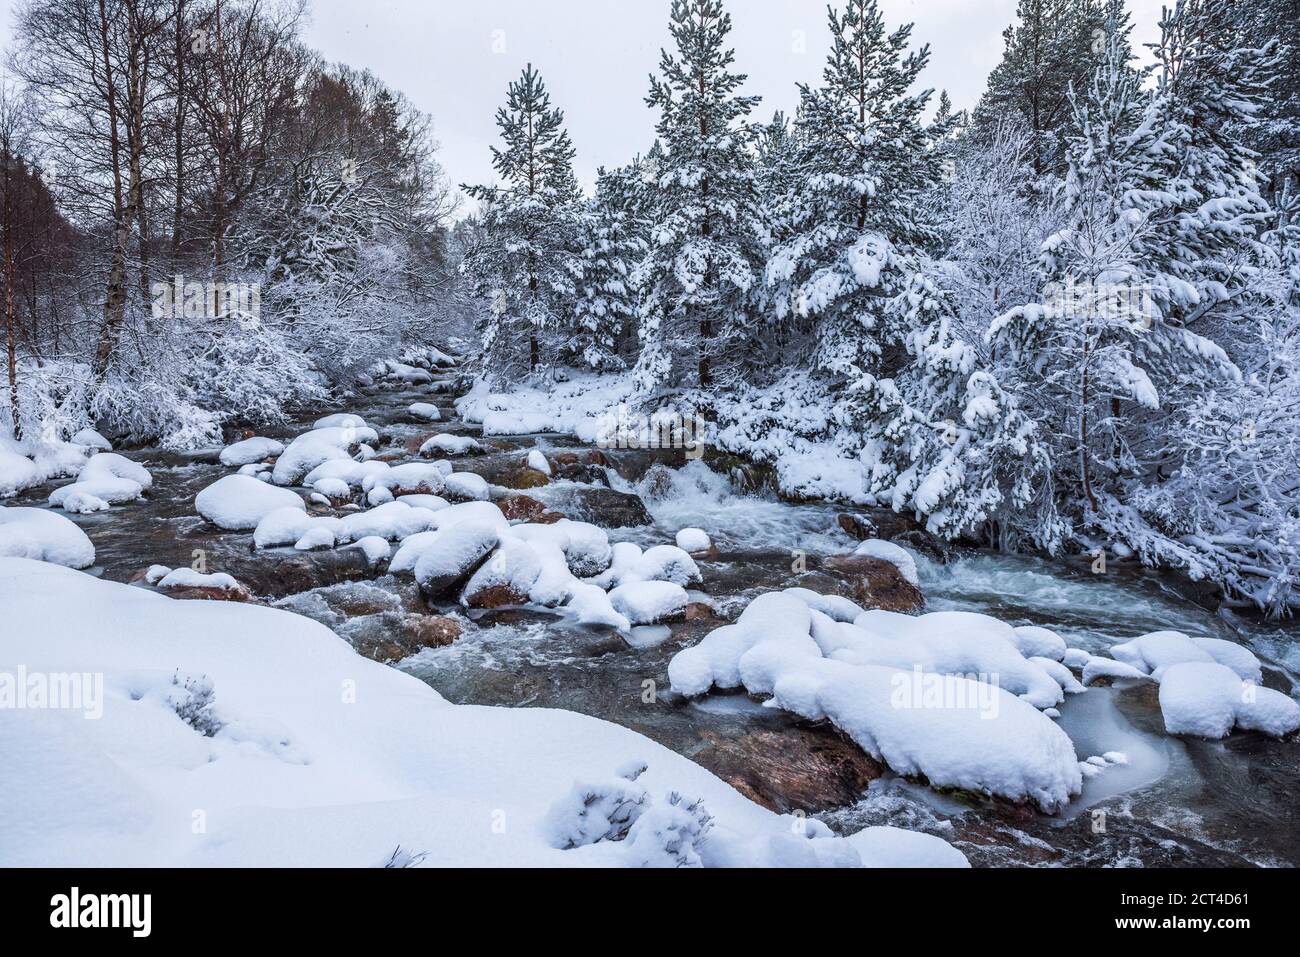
{"x":453,"y":58}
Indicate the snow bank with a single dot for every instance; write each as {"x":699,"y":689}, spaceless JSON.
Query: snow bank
{"x":239,"y":502}
{"x":301,"y":753}
{"x":17,"y":473}
{"x":44,"y":536}
{"x":933,"y":696}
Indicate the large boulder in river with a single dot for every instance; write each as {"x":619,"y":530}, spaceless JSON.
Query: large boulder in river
{"x":873,"y":583}
{"x":805,"y":769}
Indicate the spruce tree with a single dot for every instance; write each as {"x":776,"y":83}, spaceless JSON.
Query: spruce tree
{"x":708,"y":237}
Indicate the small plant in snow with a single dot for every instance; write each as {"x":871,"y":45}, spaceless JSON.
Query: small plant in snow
{"x":598,"y":811}
{"x":192,"y":699}
{"x":401,"y":858}
{"x":670,"y":834}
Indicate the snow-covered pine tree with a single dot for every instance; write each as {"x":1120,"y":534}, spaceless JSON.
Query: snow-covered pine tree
{"x":866,"y":162}
{"x":527,"y":266}
{"x":1162,"y":242}
{"x":614,"y":242}
{"x":1052,"y":48}
{"x":708,"y":239}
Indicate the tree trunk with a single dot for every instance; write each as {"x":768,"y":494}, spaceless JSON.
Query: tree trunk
{"x":11,"y":316}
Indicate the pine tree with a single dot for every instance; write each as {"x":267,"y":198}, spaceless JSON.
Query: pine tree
{"x":614,"y":241}
{"x":1051,"y":49}
{"x":527,"y":266}
{"x":866,"y":162}
{"x":708,"y":236}
{"x":1163,"y":228}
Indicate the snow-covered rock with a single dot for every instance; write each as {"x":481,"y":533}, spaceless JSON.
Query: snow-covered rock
{"x":467,"y":487}
{"x":946,"y":696}
{"x":45,"y":536}
{"x":894,"y":554}
{"x":83,"y":503}
{"x":391,"y":521}
{"x":1153,"y":653}
{"x":250,"y":451}
{"x":1207,"y":700}
{"x":425,"y":410}
{"x":91,"y":439}
{"x":694,"y":540}
{"x":287,"y":525}
{"x":450,"y":555}
{"x":450,"y":445}
{"x":410,"y":478}
{"x":107,"y":476}
{"x":340,"y":420}
{"x":239,"y":503}
{"x":537,"y":461}
{"x":649,"y":602}
{"x":1035,"y":642}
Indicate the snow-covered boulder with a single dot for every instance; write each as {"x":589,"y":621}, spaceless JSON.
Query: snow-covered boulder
{"x":467,"y":487}
{"x":187,"y":583}
{"x":310,"y":449}
{"x":946,"y":696}
{"x":239,"y":503}
{"x":91,"y":439}
{"x":450,"y":445}
{"x":1207,"y":700}
{"x":250,"y":451}
{"x":586,"y":548}
{"x":1153,"y":653}
{"x":425,"y":410}
{"x":507,"y":578}
{"x":340,"y":420}
{"x":537,"y":462}
{"x":451,"y":555}
{"x":45,"y":536}
{"x":896,"y":555}
{"x":287,"y":525}
{"x":694,"y":541}
{"x":649,"y":602}
{"x":392,"y":521}
{"x":410,"y":478}
{"x":107,"y":476}
{"x":1035,"y":642}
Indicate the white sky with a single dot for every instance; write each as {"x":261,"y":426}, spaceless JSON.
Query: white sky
{"x":453,"y":58}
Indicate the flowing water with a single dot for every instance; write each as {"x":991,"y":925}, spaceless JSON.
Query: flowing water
{"x":1177,"y":802}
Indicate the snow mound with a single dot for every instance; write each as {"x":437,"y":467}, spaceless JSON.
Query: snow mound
{"x":649,"y":602}
{"x":91,"y":440}
{"x":694,"y":540}
{"x":44,"y":536}
{"x":17,"y":473}
{"x":250,"y":451}
{"x":467,"y":486}
{"x":1152,"y":654}
{"x":537,"y":461}
{"x":450,"y":445}
{"x":107,"y":476}
{"x":340,"y":420}
{"x":425,"y":410}
{"x":933,"y":696}
{"x":239,"y":502}
{"x":392,"y":521}
{"x":1208,"y":699}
